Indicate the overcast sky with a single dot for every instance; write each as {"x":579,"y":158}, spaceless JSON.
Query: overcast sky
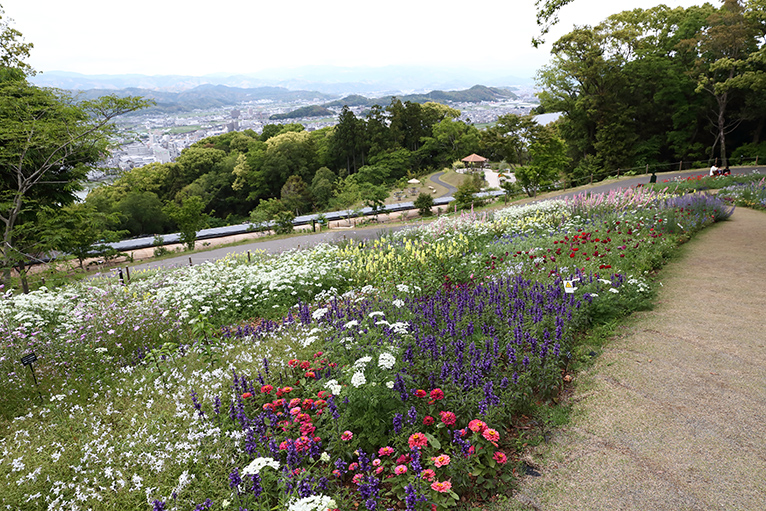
{"x":191,"y":37}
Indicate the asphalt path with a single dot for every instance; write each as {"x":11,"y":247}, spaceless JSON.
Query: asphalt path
{"x":436,"y":179}
{"x":336,"y":236}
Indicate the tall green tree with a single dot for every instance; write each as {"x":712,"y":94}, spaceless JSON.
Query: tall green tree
{"x":723,"y":48}
{"x":79,"y":229}
{"x":287,"y":154}
{"x":548,"y":160}
{"x":13,"y":49}
{"x":189,"y":218}
{"x":323,"y":186}
{"x":349,"y":141}
{"x":509,"y":138}
{"x":48,"y":141}
{"x":296,"y":195}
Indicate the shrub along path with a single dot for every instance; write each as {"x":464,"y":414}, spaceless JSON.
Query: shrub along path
{"x":672,"y":416}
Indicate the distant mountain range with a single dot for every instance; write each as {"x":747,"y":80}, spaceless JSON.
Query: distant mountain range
{"x":205,"y":97}
{"x":338,"y":81}
{"x":475,"y":94}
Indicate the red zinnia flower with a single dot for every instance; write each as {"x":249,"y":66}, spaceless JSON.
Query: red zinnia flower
{"x":246,"y":395}
{"x":448,"y":418}
{"x":437,"y":394}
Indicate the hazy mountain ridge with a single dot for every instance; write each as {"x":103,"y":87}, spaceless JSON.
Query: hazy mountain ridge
{"x":475,"y":94}
{"x":208,"y":96}
{"x":380,"y":81}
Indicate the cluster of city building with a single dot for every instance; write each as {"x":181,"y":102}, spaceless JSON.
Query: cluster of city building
{"x":162,"y":137}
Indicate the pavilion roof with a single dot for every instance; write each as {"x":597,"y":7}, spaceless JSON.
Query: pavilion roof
{"x":474,"y":158}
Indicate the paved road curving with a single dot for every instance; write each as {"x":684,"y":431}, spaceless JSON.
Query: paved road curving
{"x":303,"y":241}
{"x":450,"y":189}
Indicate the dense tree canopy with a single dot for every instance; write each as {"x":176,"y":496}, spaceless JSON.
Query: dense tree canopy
{"x":657,"y":85}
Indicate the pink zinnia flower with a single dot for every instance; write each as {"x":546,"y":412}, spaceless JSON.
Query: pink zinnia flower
{"x":428,"y":420}
{"x":441,"y":460}
{"x":417,"y":440}
{"x":400,"y":469}
{"x":246,"y":395}
{"x":420,"y":393}
{"x":346,"y":436}
{"x":428,"y":474}
{"x":500,"y":457}
{"x":441,"y":486}
{"x":385,"y":451}
{"x":492,"y":435}
{"x":353,"y":466}
{"x":357,"y":479}
{"x":437,"y":394}
{"x":477,"y":426}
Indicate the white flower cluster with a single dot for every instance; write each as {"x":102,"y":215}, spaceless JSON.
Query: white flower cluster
{"x":258,"y":464}
{"x":361,"y":363}
{"x":358,"y":379}
{"x":386,"y":360}
{"x":312,"y":503}
{"x":333,"y":386}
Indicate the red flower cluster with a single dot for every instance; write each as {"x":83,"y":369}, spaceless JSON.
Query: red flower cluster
{"x":448,"y":418}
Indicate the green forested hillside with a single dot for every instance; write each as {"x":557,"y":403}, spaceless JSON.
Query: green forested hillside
{"x":306,"y":111}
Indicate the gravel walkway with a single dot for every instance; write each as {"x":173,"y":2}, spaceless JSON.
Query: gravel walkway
{"x":673,"y":414}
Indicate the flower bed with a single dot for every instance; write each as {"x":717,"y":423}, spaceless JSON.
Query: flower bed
{"x":391,"y":374}
{"x":749,"y":195}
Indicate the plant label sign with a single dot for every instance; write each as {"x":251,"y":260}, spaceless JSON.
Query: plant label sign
{"x":569,"y":286}
{"x":28,"y":359}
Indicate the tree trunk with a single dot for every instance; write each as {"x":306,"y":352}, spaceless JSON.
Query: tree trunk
{"x":757,"y":132}
{"x":22,"y":269}
{"x":722,"y":126}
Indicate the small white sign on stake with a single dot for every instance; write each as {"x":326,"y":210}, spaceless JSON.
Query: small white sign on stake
{"x":569,"y":286}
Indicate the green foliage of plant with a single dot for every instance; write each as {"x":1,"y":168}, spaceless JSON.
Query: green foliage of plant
{"x":465,"y":196}
{"x":424,"y":202}
{"x":189,"y":218}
